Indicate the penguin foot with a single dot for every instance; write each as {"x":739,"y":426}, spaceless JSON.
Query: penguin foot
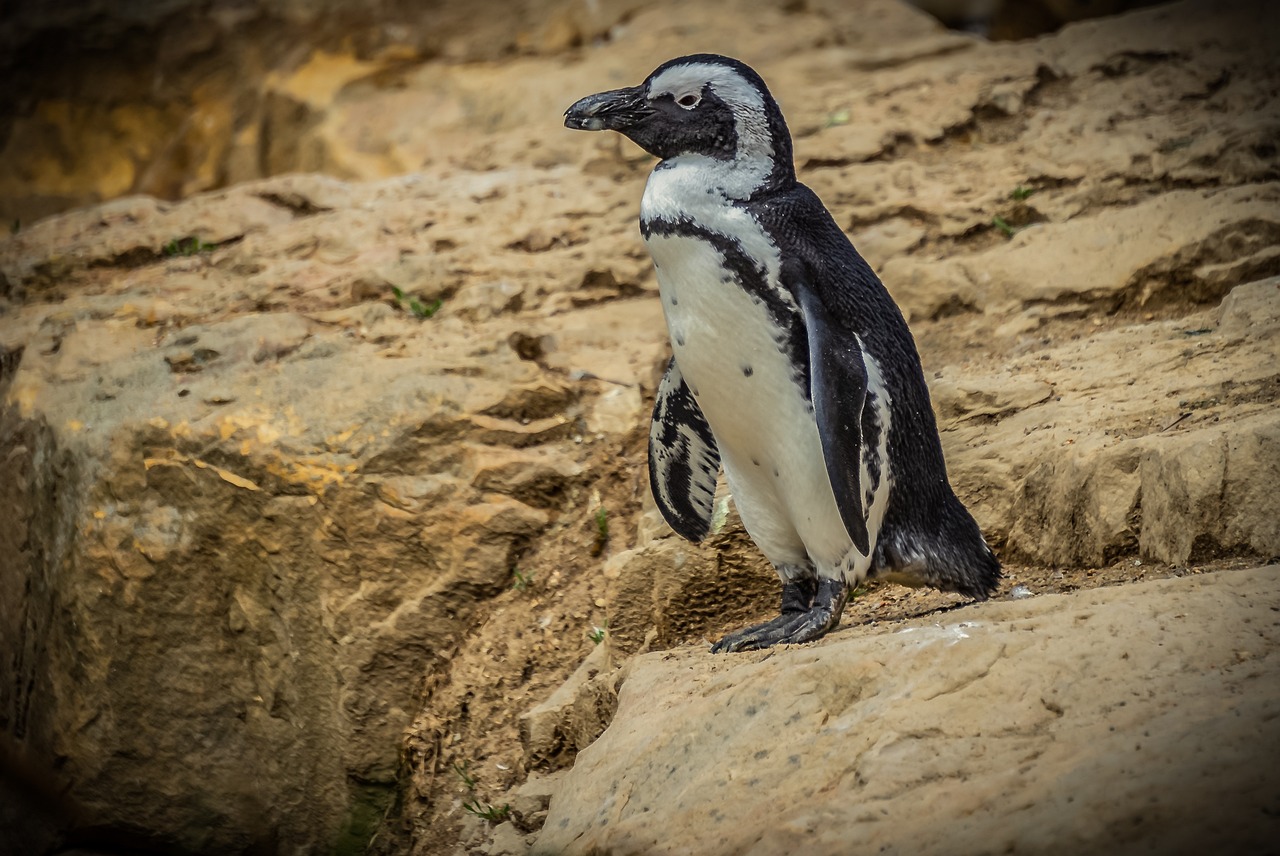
{"x":810,"y":609}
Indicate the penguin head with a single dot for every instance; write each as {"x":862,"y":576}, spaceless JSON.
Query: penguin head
{"x":695,"y":105}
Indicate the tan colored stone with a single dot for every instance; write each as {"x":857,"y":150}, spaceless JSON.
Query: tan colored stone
{"x":1001,"y":726}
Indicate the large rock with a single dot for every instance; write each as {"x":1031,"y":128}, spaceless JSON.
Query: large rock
{"x":254,"y":500}
{"x":1109,"y":456}
{"x":1064,"y":724}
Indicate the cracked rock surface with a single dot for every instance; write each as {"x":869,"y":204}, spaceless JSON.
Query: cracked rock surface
{"x":1096,"y":722}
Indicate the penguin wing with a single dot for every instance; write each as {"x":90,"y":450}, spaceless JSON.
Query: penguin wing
{"x":838,"y":390}
{"x":684,"y":461}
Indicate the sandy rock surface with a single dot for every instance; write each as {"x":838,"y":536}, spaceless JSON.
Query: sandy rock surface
{"x":320,"y":488}
{"x":1094,"y":722}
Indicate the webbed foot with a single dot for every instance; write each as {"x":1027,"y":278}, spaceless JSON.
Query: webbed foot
{"x":810,"y":609}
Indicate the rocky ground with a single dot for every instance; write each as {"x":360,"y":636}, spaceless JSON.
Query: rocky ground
{"x":330,"y":521}
{"x":1093,"y":722}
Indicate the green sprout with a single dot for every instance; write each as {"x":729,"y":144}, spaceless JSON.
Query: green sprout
{"x":598,"y":634}
{"x":1020,"y":193}
{"x":522,"y":581}
{"x":1003,"y":225}
{"x":416,"y":306}
{"x":602,"y":531}
{"x":463,"y":769}
{"x":189,"y":246}
{"x":839,"y":117}
{"x":487,"y":811}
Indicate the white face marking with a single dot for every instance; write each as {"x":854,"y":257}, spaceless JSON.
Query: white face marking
{"x":746,"y":102}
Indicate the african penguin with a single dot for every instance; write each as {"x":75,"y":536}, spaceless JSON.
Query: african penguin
{"x":792,"y":368}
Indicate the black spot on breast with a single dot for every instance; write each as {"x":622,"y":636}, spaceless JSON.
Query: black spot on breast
{"x":680,"y":340}
{"x":754,"y":461}
{"x":746,"y":272}
{"x":747,"y":371}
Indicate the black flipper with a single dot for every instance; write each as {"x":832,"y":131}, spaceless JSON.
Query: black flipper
{"x":838,"y":390}
{"x":684,"y":461}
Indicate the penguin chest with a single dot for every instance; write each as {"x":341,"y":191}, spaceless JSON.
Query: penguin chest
{"x":734,"y":356}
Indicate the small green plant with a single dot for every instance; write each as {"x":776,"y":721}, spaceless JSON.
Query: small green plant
{"x":1003,"y":225}
{"x":521,"y":581}
{"x":487,"y":811}
{"x":416,"y":306}
{"x":839,"y":117}
{"x":602,"y":531}
{"x":1020,"y":193}
{"x":187,"y":247}
{"x":463,"y":769}
{"x":598,"y":634}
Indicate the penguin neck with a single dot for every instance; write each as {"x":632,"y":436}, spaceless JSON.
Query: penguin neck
{"x":736,"y":180}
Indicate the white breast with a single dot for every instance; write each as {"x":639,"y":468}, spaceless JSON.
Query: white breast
{"x":728,"y":348}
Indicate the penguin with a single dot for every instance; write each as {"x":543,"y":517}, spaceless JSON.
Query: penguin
{"x":792,"y":371}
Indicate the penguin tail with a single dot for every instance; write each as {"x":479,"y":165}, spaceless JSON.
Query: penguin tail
{"x":945,"y":552}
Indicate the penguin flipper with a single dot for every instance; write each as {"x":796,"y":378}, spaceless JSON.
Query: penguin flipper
{"x":838,"y":390}
{"x":684,"y":461}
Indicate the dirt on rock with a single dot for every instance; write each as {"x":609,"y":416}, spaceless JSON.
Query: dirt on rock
{"x":330,"y":522}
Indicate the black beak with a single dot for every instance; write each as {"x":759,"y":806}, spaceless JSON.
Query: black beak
{"x":616,"y":110}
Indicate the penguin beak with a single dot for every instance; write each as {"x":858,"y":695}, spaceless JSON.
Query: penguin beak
{"x":616,"y":110}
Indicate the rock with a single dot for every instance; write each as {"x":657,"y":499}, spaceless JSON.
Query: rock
{"x":1080,"y":507}
{"x":1250,"y":308}
{"x":487,"y":299}
{"x":535,"y":476}
{"x":530,"y":800}
{"x":507,"y":841}
{"x":963,"y":734}
{"x":336,"y":492}
{"x":1202,"y":495}
{"x":1154,"y":253}
{"x":956,"y":400}
{"x":680,"y":592}
{"x":617,"y":410}
{"x":1098,"y":471}
{"x":555,"y":730}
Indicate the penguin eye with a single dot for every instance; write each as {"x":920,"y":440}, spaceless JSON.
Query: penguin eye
{"x":688,"y":101}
